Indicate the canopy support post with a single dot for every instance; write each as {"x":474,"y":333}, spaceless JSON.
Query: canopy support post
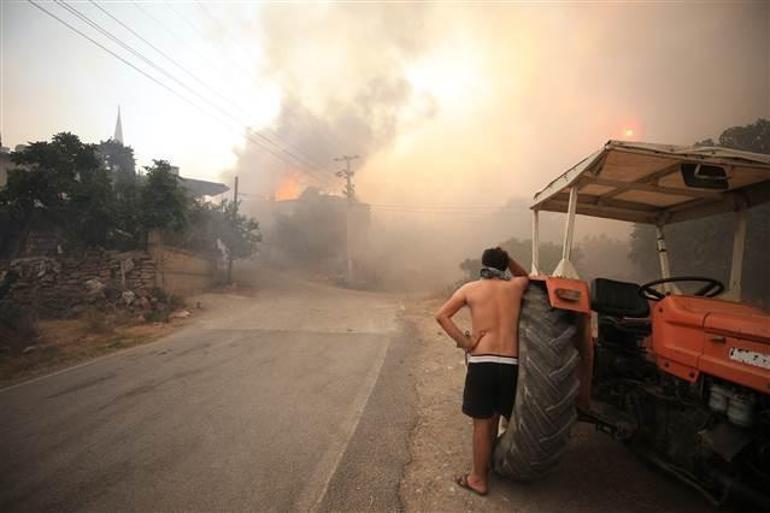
{"x":535,"y":243}
{"x":565,"y":269}
{"x":736,"y":265}
{"x":665,"y":265}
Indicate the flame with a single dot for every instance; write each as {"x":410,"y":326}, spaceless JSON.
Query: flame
{"x":288,"y":188}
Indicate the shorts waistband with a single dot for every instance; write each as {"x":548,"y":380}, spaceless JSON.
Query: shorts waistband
{"x":493,"y":358}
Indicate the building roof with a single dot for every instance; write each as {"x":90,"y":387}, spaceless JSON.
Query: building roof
{"x":198,"y":188}
{"x":645,"y":183}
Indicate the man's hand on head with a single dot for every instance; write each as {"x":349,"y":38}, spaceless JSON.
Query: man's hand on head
{"x":515,"y":268}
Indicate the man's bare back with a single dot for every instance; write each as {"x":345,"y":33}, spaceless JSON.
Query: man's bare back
{"x":495,"y":306}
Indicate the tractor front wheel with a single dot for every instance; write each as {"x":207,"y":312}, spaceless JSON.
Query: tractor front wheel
{"x":544,"y":410}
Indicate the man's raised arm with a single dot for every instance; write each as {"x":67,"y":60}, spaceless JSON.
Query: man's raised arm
{"x":444,"y":318}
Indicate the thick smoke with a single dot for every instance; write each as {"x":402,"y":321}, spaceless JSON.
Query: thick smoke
{"x":455,"y":106}
{"x":341,"y":71}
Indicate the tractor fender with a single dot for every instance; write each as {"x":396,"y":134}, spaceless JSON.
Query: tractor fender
{"x":566,"y":293}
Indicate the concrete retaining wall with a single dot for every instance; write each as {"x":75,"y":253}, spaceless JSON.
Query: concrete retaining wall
{"x":181,"y":272}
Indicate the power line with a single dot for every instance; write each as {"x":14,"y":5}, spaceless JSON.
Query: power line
{"x":213,"y":18}
{"x":468,"y":208}
{"x":49,"y":13}
{"x":139,"y":55}
{"x":167,"y":30}
{"x":108,"y":34}
{"x":287,"y":146}
{"x":452,"y":213}
{"x":164,"y":54}
{"x":174,"y":92}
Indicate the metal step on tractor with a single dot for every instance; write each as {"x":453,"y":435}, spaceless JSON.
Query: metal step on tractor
{"x":682,"y":378}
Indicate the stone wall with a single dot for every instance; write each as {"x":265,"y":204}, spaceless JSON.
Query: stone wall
{"x":57,"y":286}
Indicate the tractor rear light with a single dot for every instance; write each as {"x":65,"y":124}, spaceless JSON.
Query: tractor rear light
{"x":568,"y":295}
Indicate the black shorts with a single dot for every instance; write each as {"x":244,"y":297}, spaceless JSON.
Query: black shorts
{"x":490,"y":386}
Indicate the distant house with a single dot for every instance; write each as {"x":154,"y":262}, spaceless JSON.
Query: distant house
{"x":199,"y":188}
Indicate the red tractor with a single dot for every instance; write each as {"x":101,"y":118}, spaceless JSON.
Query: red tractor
{"x":682,"y":379}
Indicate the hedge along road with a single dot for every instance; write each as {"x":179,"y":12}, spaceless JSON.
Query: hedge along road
{"x":254,"y":407}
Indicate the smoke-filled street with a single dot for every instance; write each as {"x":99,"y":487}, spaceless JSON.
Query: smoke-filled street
{"x":302,"y":398}
{"x":250,"y":409}
{"x":309,"y":256}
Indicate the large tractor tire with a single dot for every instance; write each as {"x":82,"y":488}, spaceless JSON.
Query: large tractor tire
{"x":544,"y":409}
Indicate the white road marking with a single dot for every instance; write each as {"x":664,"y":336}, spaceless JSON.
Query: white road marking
{"x":313,"y":494}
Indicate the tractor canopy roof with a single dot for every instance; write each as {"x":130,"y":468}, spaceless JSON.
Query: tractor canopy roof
{"x":660,"y":183}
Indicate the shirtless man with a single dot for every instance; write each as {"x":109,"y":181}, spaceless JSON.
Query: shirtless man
{"x":493,"y":347}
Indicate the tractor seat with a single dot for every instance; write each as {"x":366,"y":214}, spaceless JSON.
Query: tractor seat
{"x":618,"y":299}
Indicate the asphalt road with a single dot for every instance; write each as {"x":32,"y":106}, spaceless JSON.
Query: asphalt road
{"x":298,"y":399}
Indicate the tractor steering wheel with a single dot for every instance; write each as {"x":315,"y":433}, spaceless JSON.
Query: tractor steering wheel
{"x":711,"y":288}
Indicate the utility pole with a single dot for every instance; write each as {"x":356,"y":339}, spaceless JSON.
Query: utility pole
{"x":347,"y":174}
{"x":350,"y":193}
{"x":229,"y":250}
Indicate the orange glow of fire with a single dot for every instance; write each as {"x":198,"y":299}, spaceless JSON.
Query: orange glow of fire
{"x":288,"y":188}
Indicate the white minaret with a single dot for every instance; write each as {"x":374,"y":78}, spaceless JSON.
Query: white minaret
{"x":118,"y":129}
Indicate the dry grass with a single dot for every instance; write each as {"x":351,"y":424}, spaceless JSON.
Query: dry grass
{"x":66,"y":342}
{"x":96,"y":322}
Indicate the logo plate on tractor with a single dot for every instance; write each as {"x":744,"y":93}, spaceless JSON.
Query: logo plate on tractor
{"x":750,"y":357}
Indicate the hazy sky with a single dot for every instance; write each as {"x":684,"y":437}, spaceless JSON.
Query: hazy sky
{"x":449,"y":103}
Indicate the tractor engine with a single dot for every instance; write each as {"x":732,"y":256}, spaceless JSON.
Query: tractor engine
{"x":713,"y":434}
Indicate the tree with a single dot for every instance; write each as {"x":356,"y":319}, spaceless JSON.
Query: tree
{"x":752,"y":137}
{"x":521,"y":251}
{"x":60,"y":184}
{"x":91,"y":208}
{"x":210,"y":223}
{"x":238,"y":232}
{"x":48,"y":173}
{"x":92,"y":197}
{"x":119,"y":162}
{"x":163,"y":201}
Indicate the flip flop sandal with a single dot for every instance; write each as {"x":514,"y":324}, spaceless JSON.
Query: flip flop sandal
{"x":462,"y":482}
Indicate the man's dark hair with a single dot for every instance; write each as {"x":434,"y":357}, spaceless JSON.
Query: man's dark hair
{"x":496,"y":258}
